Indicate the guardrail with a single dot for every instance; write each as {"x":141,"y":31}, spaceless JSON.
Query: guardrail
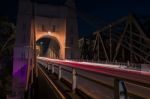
{"x":120,"y":76}
{"x":125,"y":65}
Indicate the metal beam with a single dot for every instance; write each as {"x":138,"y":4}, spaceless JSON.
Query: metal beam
{"x":120,"y":41}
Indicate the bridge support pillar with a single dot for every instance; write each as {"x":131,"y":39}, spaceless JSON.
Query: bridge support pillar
{"x":116,"y":89}
{"x":60,"y":73}
{"x":119,"y":89}
{"x":44,"y":65}
{"x":48,"y":67}
{"x":74,"y":80}
{"x":53,"y":70}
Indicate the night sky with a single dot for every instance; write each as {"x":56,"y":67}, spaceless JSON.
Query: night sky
{"x":96,"y":12}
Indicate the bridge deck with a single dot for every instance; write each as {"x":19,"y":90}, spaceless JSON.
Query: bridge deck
{"x":50,"y":90}
{"x":133,"y":79}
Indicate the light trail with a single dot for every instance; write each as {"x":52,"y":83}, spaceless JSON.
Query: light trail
{"x":87,"y":63}
{"x":134,"y":75}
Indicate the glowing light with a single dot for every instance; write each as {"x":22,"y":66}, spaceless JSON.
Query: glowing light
{"x":41,"y":43}
{"x":49,"y":32}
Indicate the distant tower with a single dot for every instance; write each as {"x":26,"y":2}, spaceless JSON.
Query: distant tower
{"x":60,"y":21}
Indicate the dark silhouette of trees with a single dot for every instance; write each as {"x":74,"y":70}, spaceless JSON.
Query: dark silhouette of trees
{"x":7,"y":38}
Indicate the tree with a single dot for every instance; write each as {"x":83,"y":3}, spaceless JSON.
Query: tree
{"x":7,"y":38}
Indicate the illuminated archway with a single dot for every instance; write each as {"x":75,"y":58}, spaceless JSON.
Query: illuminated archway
{"x":48,"y":46}
{"x":58,"y":19}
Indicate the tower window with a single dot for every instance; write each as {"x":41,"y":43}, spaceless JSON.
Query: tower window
{"x":54,"y":28}
{"x":43,"y":27}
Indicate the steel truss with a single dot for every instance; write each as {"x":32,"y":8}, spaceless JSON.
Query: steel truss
{"x":123,"y":40}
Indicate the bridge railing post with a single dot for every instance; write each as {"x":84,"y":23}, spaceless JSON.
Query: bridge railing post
{"x":53,"y":69}
{"x":45,"y":65}
{"x":116,"y":89}
{"x":48,"y":67}
{"x":74,"y":80}
{"x":60,"y":73}
{"x":119,"y":89}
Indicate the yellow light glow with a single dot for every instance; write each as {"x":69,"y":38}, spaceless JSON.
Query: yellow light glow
{"x":49,"y":32}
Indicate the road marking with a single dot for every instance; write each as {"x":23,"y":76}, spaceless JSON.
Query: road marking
{"x":55,"y":87}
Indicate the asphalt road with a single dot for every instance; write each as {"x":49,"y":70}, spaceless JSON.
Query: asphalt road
{"x":44,"y":89}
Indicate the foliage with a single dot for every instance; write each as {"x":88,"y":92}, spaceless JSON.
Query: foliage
{"x":7,"y":35}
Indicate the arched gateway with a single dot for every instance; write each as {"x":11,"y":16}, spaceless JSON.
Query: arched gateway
{"x":48,"y":46}
{"x":40,"y":20}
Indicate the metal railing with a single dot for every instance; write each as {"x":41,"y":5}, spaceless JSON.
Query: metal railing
{"x":117,"y":80}
{"x":125,"y":65}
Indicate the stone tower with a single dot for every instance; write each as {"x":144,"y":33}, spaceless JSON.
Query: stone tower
{"x":57,"y":22}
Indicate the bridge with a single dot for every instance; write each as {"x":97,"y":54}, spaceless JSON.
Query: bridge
{"x":113,"y":63}
{"x":91,"y":77}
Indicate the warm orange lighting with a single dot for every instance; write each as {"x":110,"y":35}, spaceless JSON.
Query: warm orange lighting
{"x":49,"y":32}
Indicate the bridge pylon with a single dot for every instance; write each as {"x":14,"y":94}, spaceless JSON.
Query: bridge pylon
{"x":36,"y":21}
